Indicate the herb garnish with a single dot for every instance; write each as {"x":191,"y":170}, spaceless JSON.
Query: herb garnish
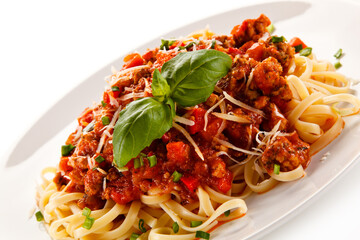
{"x":187,"y":79}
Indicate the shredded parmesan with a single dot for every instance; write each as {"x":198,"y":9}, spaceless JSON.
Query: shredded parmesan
{"x":111,"y":125}
{"x":132,"y":95}
{"x":230,"y":117}
{"x":122,"y":72}
{"x":258,"y":169}
{"x":113,"y":101}
{"x":243,"y":105}
{"x":184,"y":120}
{"x":190,"y":139}
{"x":90,"y":162}
{"x":104,"y":183}
{"x":101,"y":170}
{"x":78,"y":133}
{"x":223,"y":124}
{"x":229,"y":145}
{"x":209,"y":111}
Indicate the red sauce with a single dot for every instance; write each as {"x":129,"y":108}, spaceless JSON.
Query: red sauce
{"x":268,"y":91}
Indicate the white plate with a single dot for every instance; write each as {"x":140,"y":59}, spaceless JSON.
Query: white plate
{"x":315,"y":24}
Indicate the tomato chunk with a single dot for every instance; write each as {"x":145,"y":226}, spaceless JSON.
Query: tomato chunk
{"x":178,"y":152}
{"x":190,"y":182}
{"x":296,"y":42}
{"x":224,"y":184}
{"x":198,"y":116}
{"x":63,"y":165}
{"x":256,"y":52}
{"x":133,"y":60}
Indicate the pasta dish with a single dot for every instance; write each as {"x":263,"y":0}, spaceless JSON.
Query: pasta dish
{"x":188,"y":130}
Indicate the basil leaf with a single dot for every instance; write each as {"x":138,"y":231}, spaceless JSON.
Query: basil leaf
{"x":160,"y":88}
{"x":171,"y":104}
{"x":193,"y":75}
{"x":138,"y":125}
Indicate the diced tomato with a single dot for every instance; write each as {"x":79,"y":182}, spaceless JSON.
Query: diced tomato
{"x":234,"y":51}
{"x":178,"y":152}
{"x":211,"y":129}
{"x":133,"y":60}
{"x":224,"y":184}
{"x":86,"y":117}
{"x":115,"y":94}
{"x":125,"y":195}
{"x":256,"y":52}
{"x":106,"y":97}
{"x":63,"y":165}
{"x":191,"y":182}
{"x":198,"y":117}
{"x":239,"y":30}
{"x":296,"y":42}
{"x":148,"y":55}
{"x":166,"y":137}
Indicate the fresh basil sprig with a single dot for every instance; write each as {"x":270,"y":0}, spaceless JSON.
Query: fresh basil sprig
{"x":187,"y":79}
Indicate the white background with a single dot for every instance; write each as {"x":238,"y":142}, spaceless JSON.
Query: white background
{"x":48,"y":47}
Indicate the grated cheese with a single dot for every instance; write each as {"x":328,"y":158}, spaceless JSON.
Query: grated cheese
{"x":111,"y":125}
{"x":101,"y":171}
{"x":104,"y":183}
{"x":229,"y":145}
{"x":209,"y":111}
{"x":243,"y":105}
{"x":223,"y":124}
{"x":184,"y":120}
{"x":230,"y":117}
{"x":190,"y":139}
{"x":132,"y":95}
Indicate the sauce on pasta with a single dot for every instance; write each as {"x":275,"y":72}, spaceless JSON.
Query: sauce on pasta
{"x":260,"y":126}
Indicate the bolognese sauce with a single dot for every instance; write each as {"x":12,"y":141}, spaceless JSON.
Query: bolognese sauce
{"x":255,"y":78}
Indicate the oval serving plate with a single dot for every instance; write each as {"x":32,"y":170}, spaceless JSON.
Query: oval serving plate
{"x":266,"y":211}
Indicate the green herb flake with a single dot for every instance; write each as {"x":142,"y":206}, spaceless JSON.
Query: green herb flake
{"x":99,"y":159}
{"x":276,"y":169}
{"x":152,"y":160}
{"x":66,"y":149}
{"x":105,"y":120}
{"x":89,"y":221}
{"x":189,"y":45}
{"x":166,"y":43}
{"x":175,"y":227}
{"x":306,"y":51}
{"x":270,"y":28}
{"x":337,"y":65}
{"x":39,"y":216}
{"x":176,"y":176}
{"x":134,"y":236}
{"x":141,"y":225}
{"x":338,"y":54}
{"x":103,"y":103}
{"x":203,"y":235}
{"x":213,"y":42}
{"x":276,"y":39}
{"x":115,"y":89}
{"x":227,"y":213}
{"x":86,"y":212}
{"x":195,"y":223}
{"x":298,"y":48}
